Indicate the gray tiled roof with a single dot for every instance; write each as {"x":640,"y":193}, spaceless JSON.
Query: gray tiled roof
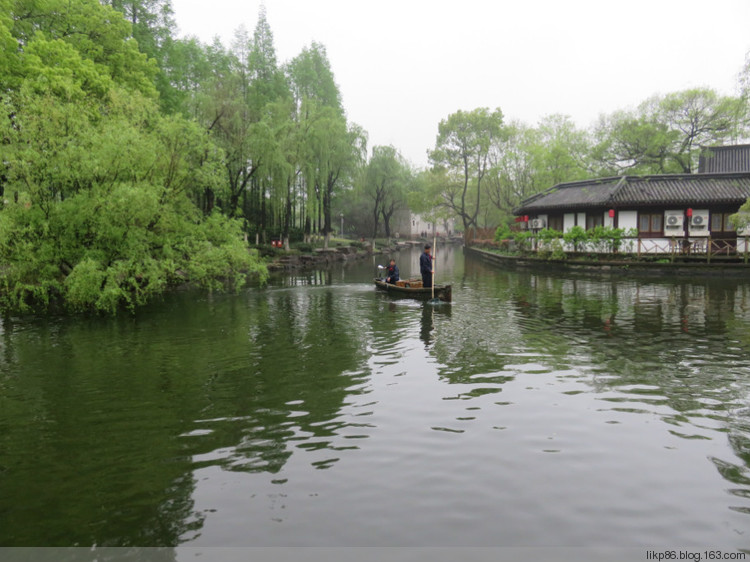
{"x":716,"y":159}
{"x":642,"y":191}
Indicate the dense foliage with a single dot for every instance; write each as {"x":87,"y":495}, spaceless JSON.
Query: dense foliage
{"x":554,"y":244}
{"x":99,"y":186}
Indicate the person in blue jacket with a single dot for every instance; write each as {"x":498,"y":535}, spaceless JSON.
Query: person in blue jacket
{"x":392,"y":273}
{"x":425,"y":266}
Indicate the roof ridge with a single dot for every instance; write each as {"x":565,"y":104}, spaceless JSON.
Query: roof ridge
{"x":724,"y":146}
{"x":617,"y":188}
{"x":714,"y":188}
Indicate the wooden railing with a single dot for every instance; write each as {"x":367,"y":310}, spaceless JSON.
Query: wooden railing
{"x":696,"y":247}
{"x":673,"y":248}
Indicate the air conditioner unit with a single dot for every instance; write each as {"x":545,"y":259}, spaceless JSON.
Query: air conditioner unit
{"x":537,"y":224}
{"x":698,"y":225}
{"x":673,"y":221}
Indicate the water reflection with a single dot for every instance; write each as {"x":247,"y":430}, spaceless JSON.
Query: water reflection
{"x":534,"y":410}
{"x":672,"y":349}
{"x":104,"y":422}
{"x":302,"y":359}
{"x":430,"y":312}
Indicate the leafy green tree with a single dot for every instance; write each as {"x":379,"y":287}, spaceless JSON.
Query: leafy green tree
{"x":426,"y":196}
{"x":102,"y":212}
{"x":385,"y":181}
{"x":186,"y":66}
{"x":153,"y":27}
{"x":513,"y":175}
{"x":463,"y":146}
{"x":333,"y":149}
{"x":311,"y":78}
{"x":98,"y":33}
{"x":560,"y":152}
{"x":632,"y":143}
{"x":337,"y":149}
{"x":151,"y":22}
{"x":700,"y":117}
{"x":665,"y":133}
{"x":268,"y":83}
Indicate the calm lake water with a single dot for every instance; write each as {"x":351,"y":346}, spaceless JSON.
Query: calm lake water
{"x":536,"y":410}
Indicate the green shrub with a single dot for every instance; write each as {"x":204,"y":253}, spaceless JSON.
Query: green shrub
{"x":523,"y":240}
{"x":576,"y":237}
{"x":558,"y":251}
{"x":548,"y":234}
{"x":503,"y":233}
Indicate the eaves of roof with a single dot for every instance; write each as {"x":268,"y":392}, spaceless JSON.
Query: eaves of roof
{"x":641,"y":191}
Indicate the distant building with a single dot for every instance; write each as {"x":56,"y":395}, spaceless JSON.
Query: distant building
{"x":723,"y":159}
{"x":689,"y":212}
{"x":420,"y":227}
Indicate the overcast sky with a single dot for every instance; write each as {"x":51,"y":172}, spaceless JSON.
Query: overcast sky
{"x":404,"y":65}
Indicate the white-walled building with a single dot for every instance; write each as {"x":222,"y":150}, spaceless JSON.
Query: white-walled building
{"x":663,"y":213}
{"x":421,"y":227}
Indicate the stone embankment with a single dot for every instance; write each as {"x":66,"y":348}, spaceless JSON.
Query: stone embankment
{"x":318,"y":257}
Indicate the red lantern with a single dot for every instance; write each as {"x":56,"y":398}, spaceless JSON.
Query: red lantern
{"x":611,"y":213}
{"x":690,"y":212}
{"x":526,"y":218}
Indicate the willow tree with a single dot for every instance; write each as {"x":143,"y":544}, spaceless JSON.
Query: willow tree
{"x":336,"y":150}
{"x":463,"y":147}
{"x":385,"y":183}
{"x":332,"y":147}
{"x":102,"y":212}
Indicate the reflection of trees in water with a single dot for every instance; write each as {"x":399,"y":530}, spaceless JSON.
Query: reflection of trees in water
{"x":304,"y":350}
{"x":84,"y":429}
{"x":658,"y":345}
{"x":738,"y":436}
{"x":315,"y":277}
{"x":673,"y":330}
{"x":99,"y":418}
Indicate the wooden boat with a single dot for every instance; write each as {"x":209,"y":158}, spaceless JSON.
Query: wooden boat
{"x":413,"y":288}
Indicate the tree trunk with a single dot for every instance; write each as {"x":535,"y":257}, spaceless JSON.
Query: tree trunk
{"x":387,"y":223}
{"x":287,"y":216}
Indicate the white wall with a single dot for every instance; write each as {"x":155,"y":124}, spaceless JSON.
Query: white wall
{"x":627,"y":219}
{"x":419,"y":225}
{"x":569,"y":221}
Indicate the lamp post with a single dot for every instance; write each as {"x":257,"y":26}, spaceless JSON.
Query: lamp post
{"x":342,"y":224}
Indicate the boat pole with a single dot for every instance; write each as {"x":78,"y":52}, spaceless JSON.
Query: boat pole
{"x":434,"y":261}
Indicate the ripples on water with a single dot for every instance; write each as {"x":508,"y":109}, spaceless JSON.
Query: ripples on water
{"x":534,"y":410}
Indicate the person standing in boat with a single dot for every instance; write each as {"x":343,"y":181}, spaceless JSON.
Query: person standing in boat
{"x":425,"y":266}
{"x":392,"y":274}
